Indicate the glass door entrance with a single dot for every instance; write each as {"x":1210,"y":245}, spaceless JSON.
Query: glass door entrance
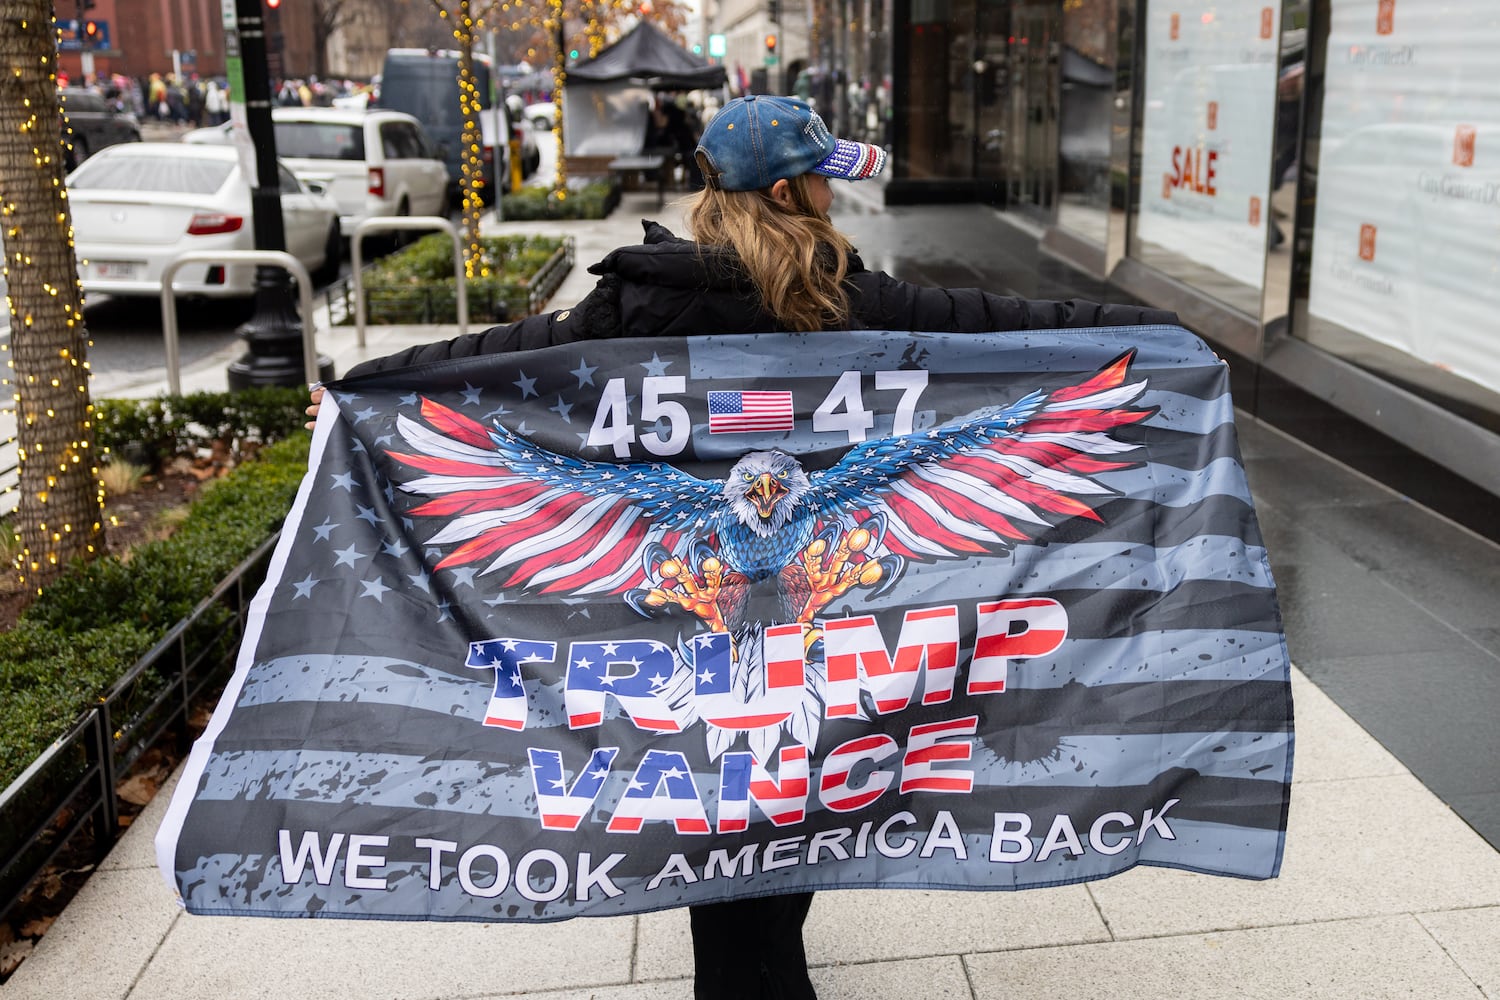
{"x":1032,"y":139}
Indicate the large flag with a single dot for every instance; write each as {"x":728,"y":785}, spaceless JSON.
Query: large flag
{"x":547,"y":635}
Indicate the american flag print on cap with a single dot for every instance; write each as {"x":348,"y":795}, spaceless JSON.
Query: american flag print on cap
{"x":852,"y":161}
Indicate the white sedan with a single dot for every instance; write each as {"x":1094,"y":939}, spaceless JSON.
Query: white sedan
{"x":138,"y":206}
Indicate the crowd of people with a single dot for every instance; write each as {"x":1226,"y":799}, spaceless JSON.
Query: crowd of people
{"x":191,"y":101}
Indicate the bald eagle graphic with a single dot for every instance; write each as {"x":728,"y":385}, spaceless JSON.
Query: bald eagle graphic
{"x":771,"y":543}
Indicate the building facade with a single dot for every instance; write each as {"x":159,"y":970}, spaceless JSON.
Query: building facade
{"x":136,"y":38}
{"x":1313,"y":185}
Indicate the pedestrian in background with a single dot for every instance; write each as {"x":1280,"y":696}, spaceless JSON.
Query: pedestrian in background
{"x":765,"y":258}
{"x":156,"y":98}
{"x":216,"y":103}
{"x":193,"y":102}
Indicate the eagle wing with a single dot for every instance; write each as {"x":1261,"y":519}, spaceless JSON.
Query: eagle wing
{"x":994,"y":478}
{"x":549,"y":522}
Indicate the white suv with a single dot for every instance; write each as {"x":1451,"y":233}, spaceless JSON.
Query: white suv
{"x":375,"y":163}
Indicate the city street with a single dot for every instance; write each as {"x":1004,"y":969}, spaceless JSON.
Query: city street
{"x":126,"y":332}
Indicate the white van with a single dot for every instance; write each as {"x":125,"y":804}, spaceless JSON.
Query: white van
{"x":375,"y":163}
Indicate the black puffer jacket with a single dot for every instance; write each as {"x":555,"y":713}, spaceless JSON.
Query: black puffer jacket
{"x":666,"y":288}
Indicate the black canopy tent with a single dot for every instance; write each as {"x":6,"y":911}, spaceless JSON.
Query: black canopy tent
{"x":646,"y":56}
{"x":607,"y":98}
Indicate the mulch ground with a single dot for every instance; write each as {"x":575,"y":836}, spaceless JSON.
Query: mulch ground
{"x":139,"y":516}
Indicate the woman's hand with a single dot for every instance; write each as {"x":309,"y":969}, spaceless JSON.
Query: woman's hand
{"x":312,"y":411}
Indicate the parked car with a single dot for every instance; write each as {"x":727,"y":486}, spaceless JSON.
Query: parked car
{"x":95,"y":122}
{"x":541,"y":115}
{"x":376,"y":163}
{"x":136,"y":207}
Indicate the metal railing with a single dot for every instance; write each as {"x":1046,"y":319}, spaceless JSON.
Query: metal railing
{"x":69,"y":791}
{"x":268,"y":257}
{"x":356,"y":257}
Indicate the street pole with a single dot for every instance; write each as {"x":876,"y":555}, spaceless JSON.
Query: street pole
{"x":85,"y":48}
{"x":273,"y":335}
{"x":501,"y":116}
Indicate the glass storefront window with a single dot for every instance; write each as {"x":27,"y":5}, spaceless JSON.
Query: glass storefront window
{"x":1087,"y":103}
{"x":1206,"y":140}
{"x":935,"y":115}
{"x":1404,"y":275}
{"x":956,"y":77}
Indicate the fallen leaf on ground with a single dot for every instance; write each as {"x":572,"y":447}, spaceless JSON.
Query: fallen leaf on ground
{"x":36,"y":928}
{"x":13,"y":955}
{"x":138,"y":789}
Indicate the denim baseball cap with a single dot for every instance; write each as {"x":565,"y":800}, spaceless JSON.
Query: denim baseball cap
{"x":757,"y":140}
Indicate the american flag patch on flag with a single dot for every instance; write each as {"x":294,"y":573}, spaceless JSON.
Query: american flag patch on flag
{"x":739,"y":412}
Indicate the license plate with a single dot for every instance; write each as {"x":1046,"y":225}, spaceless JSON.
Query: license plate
{"x":118,"y":270}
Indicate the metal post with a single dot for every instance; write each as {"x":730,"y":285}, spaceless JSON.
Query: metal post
{"x":273,"y":335}
{"x":502,"y":115}
{"x":357,"y":260}
{"x":314,"y":367}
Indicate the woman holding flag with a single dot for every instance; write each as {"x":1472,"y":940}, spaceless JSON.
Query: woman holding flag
{"x":764,"y":257}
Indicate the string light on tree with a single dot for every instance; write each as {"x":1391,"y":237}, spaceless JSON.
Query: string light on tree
{"x":60,"y":493}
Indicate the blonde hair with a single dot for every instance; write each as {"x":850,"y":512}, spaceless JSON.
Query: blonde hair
{"x":793,"y":255}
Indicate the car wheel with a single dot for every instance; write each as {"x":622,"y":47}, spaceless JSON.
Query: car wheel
{"x":333,"y":255}
{"x":445,"y":206}
{"x":400,"y":237}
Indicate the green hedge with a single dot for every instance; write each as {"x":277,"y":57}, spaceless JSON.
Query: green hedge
{"x":149,"y":431}
{"x":416,"y":284}
{"x":90,"y":626}
{"x":594,"y":200}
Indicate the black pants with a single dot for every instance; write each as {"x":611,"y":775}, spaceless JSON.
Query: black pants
{"x":751,"y":949}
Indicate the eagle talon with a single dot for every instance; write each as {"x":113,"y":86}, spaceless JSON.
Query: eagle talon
{"x":676,"y":583}
{"x":639,"y":602}
{"x":700,"y":554}
{"x":891,"y":566}
{"x":832,"y":574}
{"x":653,"y":555}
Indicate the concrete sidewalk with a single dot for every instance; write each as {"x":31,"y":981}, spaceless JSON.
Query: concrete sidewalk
{"x":1384,"y":892}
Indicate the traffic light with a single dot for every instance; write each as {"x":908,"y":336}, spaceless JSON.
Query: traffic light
{"x":91,"y":31}
{"x":770,"y":44}
{"x":273,"y":4}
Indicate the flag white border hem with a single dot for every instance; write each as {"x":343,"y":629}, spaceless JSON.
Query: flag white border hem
{"x":192,"y":770}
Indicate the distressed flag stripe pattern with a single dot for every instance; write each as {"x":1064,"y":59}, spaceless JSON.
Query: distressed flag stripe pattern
{"x":1133,"y":708}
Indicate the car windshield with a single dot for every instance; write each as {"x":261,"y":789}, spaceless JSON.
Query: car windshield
{"x":320,"y":141}
{"x":151,"y":173}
